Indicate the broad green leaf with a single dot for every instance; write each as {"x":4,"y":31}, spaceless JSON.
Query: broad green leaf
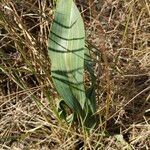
{"x":63,"y":114}
{"x":66,"y":51}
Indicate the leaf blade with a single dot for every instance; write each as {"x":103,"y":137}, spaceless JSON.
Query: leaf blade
{"x":66,"y":51}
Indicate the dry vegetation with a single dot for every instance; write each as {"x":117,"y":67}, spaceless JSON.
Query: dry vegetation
{"x":118,"y":34}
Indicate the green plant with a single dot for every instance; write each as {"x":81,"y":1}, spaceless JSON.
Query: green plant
{"x":69,"y":57}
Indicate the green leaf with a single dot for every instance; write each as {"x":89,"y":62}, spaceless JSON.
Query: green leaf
{"x":61,"y":110}
{"x":69,"y":56}
{"x":66,"y":51}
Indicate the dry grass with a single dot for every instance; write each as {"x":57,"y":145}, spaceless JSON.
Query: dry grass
{"x":118,"y":34}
